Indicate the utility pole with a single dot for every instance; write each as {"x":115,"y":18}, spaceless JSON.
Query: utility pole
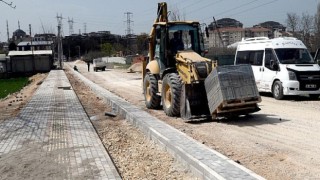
{"x":70,"y":21}
{"x":59,"y":41}
{"x":85,"y":28}
{"x":30,"y":30}
{"x":8,"y":32}
{"x":31,"y":48}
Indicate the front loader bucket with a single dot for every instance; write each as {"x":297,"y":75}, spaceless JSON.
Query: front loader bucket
{"x":231,"y":90}
{"x":193,"y":103}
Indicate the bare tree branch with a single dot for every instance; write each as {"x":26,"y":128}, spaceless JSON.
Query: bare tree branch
{"x":306,"y":28}
{"x":317,"y":29}
{"x":292,"y":21}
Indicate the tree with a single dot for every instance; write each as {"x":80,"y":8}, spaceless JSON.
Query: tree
{"x":142,"y":43}
{"x":306,"y":28}
{"x":317,"y":29}
{"x":292,"y":21}
{"x":175,"y":15}
{"x":92,"y":55}
{"x":107,"y":49}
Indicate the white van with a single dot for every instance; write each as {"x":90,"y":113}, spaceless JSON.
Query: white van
{"x":282,"y":66}
{"x":99,"y":64}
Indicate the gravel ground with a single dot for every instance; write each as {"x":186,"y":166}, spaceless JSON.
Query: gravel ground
{"x":135,"y":156}
{"x":279,"y":142}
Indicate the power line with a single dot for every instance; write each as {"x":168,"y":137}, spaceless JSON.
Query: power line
{"x":253,"y":8}
{"x":237,"y":7}
{"x":208,"y":5}
{"x":9,"y":4}
{"x":246,"y":10}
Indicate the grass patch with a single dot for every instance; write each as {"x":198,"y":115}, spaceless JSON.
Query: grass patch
{"x":9,"y":86}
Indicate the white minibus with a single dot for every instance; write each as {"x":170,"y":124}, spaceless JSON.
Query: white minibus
{"x":282,"y":66}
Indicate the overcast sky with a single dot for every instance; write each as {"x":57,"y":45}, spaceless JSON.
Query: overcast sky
{"x":109,"y":15}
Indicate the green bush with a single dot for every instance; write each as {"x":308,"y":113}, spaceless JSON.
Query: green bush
{"x":9,"y":86}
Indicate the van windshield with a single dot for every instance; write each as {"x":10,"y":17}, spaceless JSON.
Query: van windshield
{"x":294,"y":56}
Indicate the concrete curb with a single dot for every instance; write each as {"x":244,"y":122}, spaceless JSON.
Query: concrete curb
{"x":202,"y":161}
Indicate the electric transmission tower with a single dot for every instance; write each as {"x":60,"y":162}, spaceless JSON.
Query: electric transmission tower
{"x":129,"y":30}
{"x":70,"y":21}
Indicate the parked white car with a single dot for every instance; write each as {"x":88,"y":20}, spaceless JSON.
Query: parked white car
{"x":99,"y":64}
{"x":282,"y":66}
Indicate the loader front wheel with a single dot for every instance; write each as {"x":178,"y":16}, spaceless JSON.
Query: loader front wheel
{"x":150,"y":90}
{"x":171,"y":92}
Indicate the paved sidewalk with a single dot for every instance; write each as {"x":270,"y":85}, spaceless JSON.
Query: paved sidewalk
{"x":200,"y":159}
{"x":53,"y":138}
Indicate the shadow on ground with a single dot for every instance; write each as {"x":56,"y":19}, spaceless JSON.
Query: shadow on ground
{"x":247,"y":120}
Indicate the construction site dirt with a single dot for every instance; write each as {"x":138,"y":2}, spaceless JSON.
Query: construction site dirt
{"x":278,"y":142}
{"x":135,"y":156}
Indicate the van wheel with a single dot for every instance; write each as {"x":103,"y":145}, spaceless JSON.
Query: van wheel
{"x":277,"y":90}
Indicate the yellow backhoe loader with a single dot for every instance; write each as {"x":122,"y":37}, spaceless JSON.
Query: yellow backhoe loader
{"x":186,"y":84}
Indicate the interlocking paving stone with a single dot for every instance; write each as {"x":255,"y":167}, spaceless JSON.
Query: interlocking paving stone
{"x":201,"y":160}
{"x":55,"y":122}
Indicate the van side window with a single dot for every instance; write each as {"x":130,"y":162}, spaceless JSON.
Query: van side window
{"x":258,"y":57}
{"x":250,"y":57}
{"x":268,"y":57}
{"x":243,"y":57}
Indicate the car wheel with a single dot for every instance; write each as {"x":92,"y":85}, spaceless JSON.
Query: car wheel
{"x":277,"y":90}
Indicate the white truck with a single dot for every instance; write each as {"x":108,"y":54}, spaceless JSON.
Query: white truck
{"x":282,"y":66}
{"x":99,"y":64}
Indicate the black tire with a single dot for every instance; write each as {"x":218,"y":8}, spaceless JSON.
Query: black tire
{"x":171,"y":92}
{"x":277,"y":90}
{"x":150,"y":90}
{"x":314,"y":96}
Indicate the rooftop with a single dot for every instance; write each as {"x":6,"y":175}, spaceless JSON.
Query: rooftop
{"x":26,"y":53}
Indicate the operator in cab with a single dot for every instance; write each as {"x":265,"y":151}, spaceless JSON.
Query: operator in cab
{"x":176,"y":43}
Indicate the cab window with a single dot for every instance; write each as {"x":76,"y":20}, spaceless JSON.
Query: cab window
{"x":269,"y":56}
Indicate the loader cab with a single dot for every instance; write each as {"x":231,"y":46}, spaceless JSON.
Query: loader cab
{"x":167,"y":45}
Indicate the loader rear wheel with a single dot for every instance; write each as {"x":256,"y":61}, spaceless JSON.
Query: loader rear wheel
{"x":171,"y":92}
{"x":150,"y":90}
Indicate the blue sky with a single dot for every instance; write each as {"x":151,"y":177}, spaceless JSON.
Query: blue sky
{"x":109,"y":15}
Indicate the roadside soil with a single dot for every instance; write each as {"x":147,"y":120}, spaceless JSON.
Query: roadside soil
{"x":11,"y":105}
{"x":135,"y":156}
{"x":279,"y":142}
